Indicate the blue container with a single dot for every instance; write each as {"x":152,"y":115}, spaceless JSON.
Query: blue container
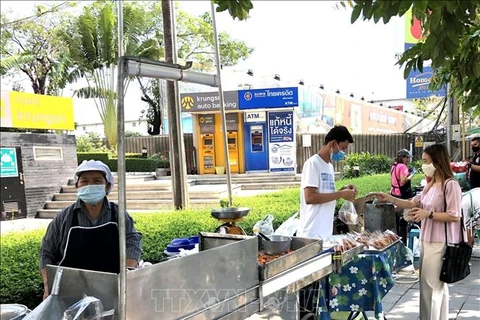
{"x":180,"y":242}
{"x":176,"y":248}
{"x":194,"y":239}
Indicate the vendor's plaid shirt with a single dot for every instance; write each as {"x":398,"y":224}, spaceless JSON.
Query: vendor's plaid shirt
{"x":55,"y":240}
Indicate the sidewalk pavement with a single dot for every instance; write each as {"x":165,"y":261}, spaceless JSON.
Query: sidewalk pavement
{"x":402,"y":302}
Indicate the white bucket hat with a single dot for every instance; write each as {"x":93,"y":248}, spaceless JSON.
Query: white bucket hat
{"x":95,"y":165}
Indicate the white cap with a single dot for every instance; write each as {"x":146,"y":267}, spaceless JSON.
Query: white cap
{"x":95,"y":165}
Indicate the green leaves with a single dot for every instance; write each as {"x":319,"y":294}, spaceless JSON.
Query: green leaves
{"x":355,"y":13}
{"x":238,"y":9}
{"x":450,"y":40}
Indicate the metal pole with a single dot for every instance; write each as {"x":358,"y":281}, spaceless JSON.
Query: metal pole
{"x":181,"y":142}
{"x":122,"y":195}
{"x":222,"y":106}
{"x":449,"y":120}
{"x":464,"y":147}
{"x":140,"y":67}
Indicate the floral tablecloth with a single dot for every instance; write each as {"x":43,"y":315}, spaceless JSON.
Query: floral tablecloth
{"x":362,"y":283}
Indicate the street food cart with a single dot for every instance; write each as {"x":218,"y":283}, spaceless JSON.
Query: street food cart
{"x":222,"y":281}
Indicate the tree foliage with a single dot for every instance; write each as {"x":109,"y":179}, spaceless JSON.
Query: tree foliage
{"x":451,"y":38}
{"x":195,"y":42}
{"x":238,"y":9}
{"x":32,"y":46}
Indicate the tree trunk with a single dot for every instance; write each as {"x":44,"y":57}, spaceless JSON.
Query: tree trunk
{"x":172,"y":111}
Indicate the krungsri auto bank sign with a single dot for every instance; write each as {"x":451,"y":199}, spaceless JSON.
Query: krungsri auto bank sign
{"x":208,"y":101}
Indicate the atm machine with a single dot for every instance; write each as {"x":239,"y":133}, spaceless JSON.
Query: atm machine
{"x":207,"y":156}
{"x":233,"y":155}
{"x":256,"y":151}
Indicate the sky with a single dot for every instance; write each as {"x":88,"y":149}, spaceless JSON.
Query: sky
{"x":308,"y":40}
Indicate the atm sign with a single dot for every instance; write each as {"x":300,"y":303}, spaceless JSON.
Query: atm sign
{"x":255,"y":116}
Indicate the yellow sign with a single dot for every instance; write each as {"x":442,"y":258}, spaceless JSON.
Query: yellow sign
{"x":35,"y":111}
{"x":187,"y":102}
{"x":413,"y":28}
{"x":418,"y":142}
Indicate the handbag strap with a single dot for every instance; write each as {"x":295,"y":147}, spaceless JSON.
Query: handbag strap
{"x":462,"y":227}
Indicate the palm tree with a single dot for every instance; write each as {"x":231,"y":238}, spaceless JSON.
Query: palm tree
{"x":91,"y":42}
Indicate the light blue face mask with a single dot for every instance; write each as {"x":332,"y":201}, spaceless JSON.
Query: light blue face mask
{"x":339,"y":155}
{"x":91,"y":194}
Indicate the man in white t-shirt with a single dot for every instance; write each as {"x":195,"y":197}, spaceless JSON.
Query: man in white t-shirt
{"x":318,"y":196}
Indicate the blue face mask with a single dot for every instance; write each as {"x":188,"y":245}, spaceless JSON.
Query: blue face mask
{"x":91,"y":194}
{"x":338,"y":156}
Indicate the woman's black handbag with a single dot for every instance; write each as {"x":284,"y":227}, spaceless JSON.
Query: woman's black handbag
{"x":455,"y":265}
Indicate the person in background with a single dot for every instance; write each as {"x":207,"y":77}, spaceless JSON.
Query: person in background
{"x":317,"y":192}
{"x":471,"y":211}
{"x":85,"y":234}
{"x":475,"y":164}
{"x":429,"y":208}
{"x":401,"y":181}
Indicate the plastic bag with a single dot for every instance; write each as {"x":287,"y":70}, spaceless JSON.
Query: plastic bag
{"x":53,"y":306}
{"x":348,"y":214}
{"x":290,"y":226}
{"x":89,"y":308}
{"x":264,"y":226}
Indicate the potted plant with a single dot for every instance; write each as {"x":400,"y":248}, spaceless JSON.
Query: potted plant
{"x":163,"y":164}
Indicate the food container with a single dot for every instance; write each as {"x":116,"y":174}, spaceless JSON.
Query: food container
{"x":379,"y":216}
{"x":13,"y":311}
{"x":229,"y":213}
{"x":277,"y":244}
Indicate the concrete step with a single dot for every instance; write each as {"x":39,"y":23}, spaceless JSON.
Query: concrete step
{"x":130,"y":187}
{"x":142,"y":195}
{"x":135,"y":178}
{"x":271,"y":185}
{"x":141,"y":205}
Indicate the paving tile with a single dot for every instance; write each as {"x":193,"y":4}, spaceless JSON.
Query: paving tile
{"x":392,"y":298}
{"x":468,"y":314}
{"x":460,"y":291}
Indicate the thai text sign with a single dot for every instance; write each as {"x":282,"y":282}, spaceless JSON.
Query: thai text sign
{"x":36,"y":111}
{"x":268,"y":98}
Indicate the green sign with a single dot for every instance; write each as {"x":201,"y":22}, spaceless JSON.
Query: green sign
{"x":8,"y":164}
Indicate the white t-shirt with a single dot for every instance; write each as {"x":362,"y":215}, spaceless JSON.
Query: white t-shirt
{"x":317,"y":219}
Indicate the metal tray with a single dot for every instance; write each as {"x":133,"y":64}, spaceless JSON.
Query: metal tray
{"x":374,"y":251}
{"x":342,"y":258}
{"x":229,"y":213}
{"x":303,"y":250}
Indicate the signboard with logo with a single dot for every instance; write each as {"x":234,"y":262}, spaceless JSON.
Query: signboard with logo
{"x":208,"y":101}
{"x":413,"y":28}
{"x":281,"y":142}
{"x":206,"y":123}
{"x":8,"y":164}
{"x":232,"y":121}
{"x":418,"y":83}
{"x":418,"y":142}
{"x":268,"y":98}
{"x":36,"y":111}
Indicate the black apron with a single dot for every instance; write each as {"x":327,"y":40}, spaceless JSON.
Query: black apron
{"x":406,"y":189}
{"x":93,"y":248}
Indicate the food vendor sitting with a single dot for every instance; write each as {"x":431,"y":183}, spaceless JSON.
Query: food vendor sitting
{"x":85,"y":234}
